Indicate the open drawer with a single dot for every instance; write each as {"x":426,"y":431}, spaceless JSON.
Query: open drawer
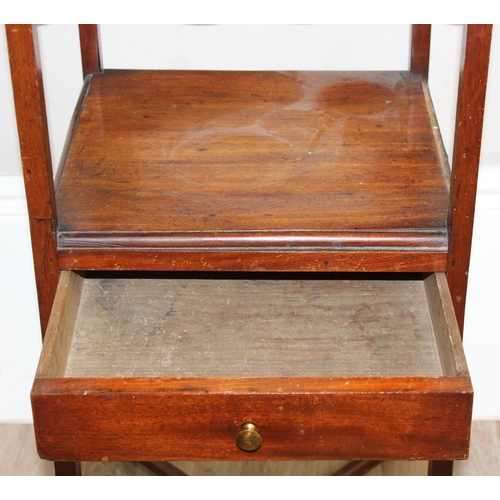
{"x":143,"y":368}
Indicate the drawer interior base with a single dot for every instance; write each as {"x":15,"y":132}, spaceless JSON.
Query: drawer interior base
{"x":148,"y":369}
{"x":253,"y":328}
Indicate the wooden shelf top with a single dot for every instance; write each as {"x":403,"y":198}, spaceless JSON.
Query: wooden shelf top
{"x":266,"y":160}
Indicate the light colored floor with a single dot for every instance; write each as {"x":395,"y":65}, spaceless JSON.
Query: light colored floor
{"x":18,"y":458}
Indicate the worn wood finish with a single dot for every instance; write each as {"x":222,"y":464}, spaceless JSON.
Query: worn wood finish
{"x":254,"y":159}
{"x":71,"y":129}
{"x":249,"y":259}
{"x":61,"y":325}
{"x":466,"y":152}
{"x":252,"y":328}
{"x":43,"y":241}
{"x":18,"y":458}
{"x":31,"y":118}
{"x":289,"y":218}
{"x":420,"y":48}
{"x":443,"y":318}
{"x":309,"y":402}
{"x":90,"y":48}
{"x":334,"y":418}
{"x":32,"y":128}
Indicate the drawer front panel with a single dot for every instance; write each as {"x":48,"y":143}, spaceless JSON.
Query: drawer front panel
{"x":171,"y":369}
{"x":416,"y":419}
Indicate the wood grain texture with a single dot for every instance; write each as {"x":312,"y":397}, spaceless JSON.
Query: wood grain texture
{"x":71,"y":129}
{"x":61,"y":326}
{"x":252,"y":328}
{"x":43,"y":243}
{"x":484,"y":457}
{"x":371,"y":418}
{"x":250,"y":259}
{"x":158,"y":410}
{"x":90,"y":48}
{"x":32,"y":128}
{"x":18,"y":458}
{"x":447,"y":334}
{"x":257,"y":159}
{"x":31,"y":118}
{"x":18,"y":455}
{"x":420,"y":48}
{"x":466,"y":153}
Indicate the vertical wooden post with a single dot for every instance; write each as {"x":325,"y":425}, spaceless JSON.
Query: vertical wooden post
{"x":90,"y":48}
{"x":33,"y":133}
{"x":29,"y":101}
{"x":68,"y":468}
{"x":420,"y":48}
{"x":465,"y":169}
{"x":465,"y":163}
{"x":440,"y":468}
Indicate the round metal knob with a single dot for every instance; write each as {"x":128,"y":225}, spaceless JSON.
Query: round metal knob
{"x":248,"y":439}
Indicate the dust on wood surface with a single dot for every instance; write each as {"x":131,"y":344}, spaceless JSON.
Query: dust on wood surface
{"x":252,"y":328}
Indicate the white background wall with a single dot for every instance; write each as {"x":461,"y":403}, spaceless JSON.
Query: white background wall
{"x":286,"y":47}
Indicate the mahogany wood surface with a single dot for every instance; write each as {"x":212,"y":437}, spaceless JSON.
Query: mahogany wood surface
{"x":248,"y":259}
{"x":466,"y":153}
{"x":90,"y":48}
{"x":69,"y":136}
{"x":31,"y":118}
{"x":43,"y":241}
{"x":280,"y":228}
{"x":420,"y":48}
{"x":186,"y":419}
{"x":328,"y":416}
{"x":185,"y":160}
{"x":32,"y":127}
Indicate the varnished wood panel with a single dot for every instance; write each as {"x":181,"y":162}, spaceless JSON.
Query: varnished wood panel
{"x":90,"y":48}
{"x":29,"y":100}
{"x":18,"y":458}
{"x":43,"y":242}
{"x":197,"y":159}
{"x":32,"y":128}
{"x":420,"y":48}
{"x":310,"y":399}
{"x":466,"y":152}
{"x":161,"y":419}
{"x":252,"y":259}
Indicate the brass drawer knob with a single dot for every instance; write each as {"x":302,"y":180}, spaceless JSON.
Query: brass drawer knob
{"x":248,"y":439}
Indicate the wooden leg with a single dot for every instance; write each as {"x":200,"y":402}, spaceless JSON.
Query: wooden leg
{"x":163,"y":468}
{"x":440,"y":468}
{"x":357,"y":468}
{"x":68,"y":468}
